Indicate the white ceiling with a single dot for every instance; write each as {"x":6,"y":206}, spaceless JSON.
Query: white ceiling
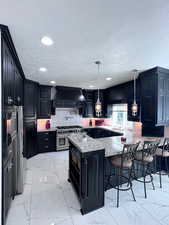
{"x":122,"y":34}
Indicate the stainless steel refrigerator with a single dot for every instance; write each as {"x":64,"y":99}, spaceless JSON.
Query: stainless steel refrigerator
{"x":21,"y":161}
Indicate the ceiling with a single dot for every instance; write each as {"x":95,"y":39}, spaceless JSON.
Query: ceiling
{"x":123,"y":35}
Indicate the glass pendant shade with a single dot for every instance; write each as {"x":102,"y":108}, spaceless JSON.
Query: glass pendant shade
{"x":134,"y":109}
{"x":98,"y":108}
{"x":81,"y":97}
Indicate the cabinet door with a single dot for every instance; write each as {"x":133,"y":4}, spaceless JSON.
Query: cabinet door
{"x":30,"y":138}
{"x":161,"y":99}
{"x":44,"y":108}
{"x":8,"y":75}
{"x":30,"y":99}
{"x":92,"y":186}
{"x":45,"y":91}
{"x":88,"y":110}
{"x":167,"y":101}
{"x":148,"y":100}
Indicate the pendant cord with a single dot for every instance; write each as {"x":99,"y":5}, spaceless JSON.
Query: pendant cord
{"x":98,"y":76}
{"x":134,"y":88}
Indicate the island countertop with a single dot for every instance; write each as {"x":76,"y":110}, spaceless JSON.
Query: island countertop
{"x":85,"y":144}
{"x":112,"y":145}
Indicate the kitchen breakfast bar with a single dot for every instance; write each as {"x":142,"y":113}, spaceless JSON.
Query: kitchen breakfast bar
{"x":89,"y":166}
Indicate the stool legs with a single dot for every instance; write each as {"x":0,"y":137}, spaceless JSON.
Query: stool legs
{"x":144,"y":177}
{"x":118,"y":186}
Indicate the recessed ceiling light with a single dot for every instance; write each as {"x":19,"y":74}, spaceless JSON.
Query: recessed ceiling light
{"x":42,"y":69}
{"x":108,"y":78}
{"x":91,"y":86}
{"x":52,"y":82}
{"x":47,"y":41}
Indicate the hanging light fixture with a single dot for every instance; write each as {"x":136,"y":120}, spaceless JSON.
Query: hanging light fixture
{"x":98,"y":106}
{"x":81,"y":97}
{"x":134,"y":107}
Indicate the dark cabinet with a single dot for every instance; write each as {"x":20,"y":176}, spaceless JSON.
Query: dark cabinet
{"x":30,"y":99}
{"x":155,"y":96}
{"x":12,"y":79}
{"x":44,"y":110}
{"x":86,"y":173}
{"x":46,"y":141}
{"x":88,"y":105}
{"x":30,"y":138}
{"x":8,"y":74}
{"x":45,"y":91}
{"x":44,"y":102}
{"x":30,"y":116}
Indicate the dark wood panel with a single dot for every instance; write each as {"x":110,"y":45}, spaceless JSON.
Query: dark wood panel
{"x":30,"y":99}
{"x":30,"y":138}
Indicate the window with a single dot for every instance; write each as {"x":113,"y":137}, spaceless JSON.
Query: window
{"x":119,"y":116}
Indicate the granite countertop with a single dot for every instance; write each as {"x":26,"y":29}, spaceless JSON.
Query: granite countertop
{"x":85,"y":144}
{"x":46,"y":130}
{"x":112,"y":145}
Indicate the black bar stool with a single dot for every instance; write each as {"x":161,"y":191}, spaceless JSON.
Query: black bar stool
{"x":164,"y":154}
{"x":145,"y":158}
{"x":121,"y":162}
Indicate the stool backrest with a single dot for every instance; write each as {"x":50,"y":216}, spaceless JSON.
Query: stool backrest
{"x":166,"y":145}
{"x":129,"y":151}
{"x":150,"y":147}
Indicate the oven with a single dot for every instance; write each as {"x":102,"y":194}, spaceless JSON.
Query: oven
{"x":62,"y":133}
{"x":62,"y":142}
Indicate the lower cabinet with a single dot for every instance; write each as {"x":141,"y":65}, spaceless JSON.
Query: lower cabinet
{"x":46,"y":141}
{"x":86,"y":173}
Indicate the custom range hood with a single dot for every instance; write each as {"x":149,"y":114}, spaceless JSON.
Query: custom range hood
{"x":67,"y":97}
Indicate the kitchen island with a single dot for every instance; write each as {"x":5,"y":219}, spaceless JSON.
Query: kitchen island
{"x":89,"y":166}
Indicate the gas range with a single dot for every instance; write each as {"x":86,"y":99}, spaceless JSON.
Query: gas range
{"x":68,"y":129}
{"x":62,"y":134}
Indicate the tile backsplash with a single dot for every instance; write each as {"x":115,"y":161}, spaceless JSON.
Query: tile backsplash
{"x":66,"y":117}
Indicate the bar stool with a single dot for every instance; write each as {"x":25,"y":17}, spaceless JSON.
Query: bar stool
{"x":164,"y":154}
{"x":145,"y":157}
{"x":121,"y":162}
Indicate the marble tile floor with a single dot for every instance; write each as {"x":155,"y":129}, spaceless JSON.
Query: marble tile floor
{"x":48,"y":199}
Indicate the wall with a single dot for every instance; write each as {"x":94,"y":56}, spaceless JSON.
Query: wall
{"x":66,"y":117}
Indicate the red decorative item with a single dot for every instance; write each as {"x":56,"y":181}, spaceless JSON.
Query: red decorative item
{"x":48,"y":124}
{"x":123,"y":139}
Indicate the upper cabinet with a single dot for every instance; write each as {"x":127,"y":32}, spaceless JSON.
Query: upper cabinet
{"x":12,"y":78}
{"x":88,"y":109}
{"x":44,"y":104}
{"x":155,"y":96}
{"x":30,"y":99}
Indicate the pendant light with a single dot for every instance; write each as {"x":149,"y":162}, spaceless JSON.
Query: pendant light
{"x":98,"y":106}
{"x":81,"y":97}
{"x":134,"y":107}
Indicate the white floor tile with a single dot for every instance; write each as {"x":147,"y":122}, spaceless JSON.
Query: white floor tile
{"x":49,"y":199}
